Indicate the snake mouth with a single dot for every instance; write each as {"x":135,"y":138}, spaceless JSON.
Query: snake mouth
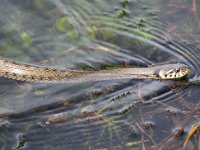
{"x":176,"y":73}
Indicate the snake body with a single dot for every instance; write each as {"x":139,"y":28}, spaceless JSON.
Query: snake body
{"x":33,"y":73}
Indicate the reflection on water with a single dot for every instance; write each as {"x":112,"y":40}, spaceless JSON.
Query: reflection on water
{"x":117,"y":114}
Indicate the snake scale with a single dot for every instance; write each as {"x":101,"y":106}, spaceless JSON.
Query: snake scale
{"x":33,"y":73}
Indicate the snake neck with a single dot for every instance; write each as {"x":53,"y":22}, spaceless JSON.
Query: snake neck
{"x":137,"y":72}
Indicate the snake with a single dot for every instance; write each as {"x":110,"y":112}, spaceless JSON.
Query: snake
{"x":34,"y":73}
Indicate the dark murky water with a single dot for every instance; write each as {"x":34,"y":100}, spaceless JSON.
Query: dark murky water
{"x":99,"y":34}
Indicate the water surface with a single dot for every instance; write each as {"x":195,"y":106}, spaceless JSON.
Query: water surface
{"x":95,"y":35}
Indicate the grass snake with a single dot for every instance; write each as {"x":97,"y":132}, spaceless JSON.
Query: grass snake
{"x":33,"y":73}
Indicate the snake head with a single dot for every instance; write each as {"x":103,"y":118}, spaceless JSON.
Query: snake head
{"x":174,"y":71}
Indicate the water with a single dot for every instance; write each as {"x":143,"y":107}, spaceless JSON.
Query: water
{"x":95,"y":35}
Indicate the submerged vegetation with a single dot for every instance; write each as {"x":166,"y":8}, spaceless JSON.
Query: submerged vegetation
{"x":26,"y":38}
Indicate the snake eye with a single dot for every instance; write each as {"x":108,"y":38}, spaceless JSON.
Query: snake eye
{"x":178,"y":70}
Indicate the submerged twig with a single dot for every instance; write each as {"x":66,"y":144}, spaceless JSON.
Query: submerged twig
{"x":193,"y":130}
